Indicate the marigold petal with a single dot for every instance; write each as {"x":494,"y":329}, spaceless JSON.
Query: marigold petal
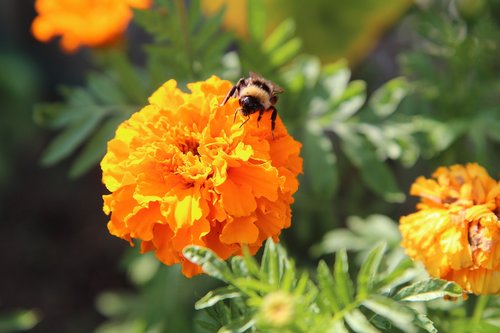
{"x":238,"y":200}
{"x":240,"y":230}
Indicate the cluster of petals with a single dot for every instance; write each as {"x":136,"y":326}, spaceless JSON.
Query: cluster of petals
{"x":184,"y":171}
{"x":92,"y":23}
{"x":456,"y":229}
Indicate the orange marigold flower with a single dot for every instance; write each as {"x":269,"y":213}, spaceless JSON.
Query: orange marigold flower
{"x":183,"y":172}
{"x":456,"y":230}
{"x":91,"y":23}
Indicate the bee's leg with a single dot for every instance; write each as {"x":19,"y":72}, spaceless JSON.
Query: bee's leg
{"x":273,"y":119}
{"x":235,"y":113}
{"x":261,"y":112}
{"x":243,"y":123}
{"x":232,"y":92}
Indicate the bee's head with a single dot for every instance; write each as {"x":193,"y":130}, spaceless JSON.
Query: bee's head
{"x":250,"y":104}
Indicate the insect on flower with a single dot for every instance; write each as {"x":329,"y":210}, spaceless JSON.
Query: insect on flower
{"x":255,"y":94}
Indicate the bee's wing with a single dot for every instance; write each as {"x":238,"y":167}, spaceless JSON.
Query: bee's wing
{"x":275,"y":89}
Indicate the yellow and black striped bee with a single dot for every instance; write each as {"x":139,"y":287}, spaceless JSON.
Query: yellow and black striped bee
{"x":255,"y":94}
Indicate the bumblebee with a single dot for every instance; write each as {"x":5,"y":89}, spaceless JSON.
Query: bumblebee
{"x":255,"y":94}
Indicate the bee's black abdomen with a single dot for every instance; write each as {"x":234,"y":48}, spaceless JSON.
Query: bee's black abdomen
{"x":249,"y":105}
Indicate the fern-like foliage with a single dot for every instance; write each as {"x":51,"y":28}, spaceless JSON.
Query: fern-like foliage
{"x":332,"y":302}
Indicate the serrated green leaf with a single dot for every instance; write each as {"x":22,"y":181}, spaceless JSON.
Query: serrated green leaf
{"x":257,"y":20}
{"x":401,"y":316}
{"x":53,"y":115}
{"x":269,"y":263}
{"x":368,"y":270}
{"x":320,"y":163}
{"x":215,"y":296}
{"x":302,"y":284}
{"x":289,"y":277}
{"x":251,"y":286}
{"x":209,"y":262}
{"x":67,"y":141}
{"x":386,"y":99}
{"x":424,"y":322}
{"x":327,"y":287}
{"x":344,"y":286}
{"x":95,"y":148}
{"x":359,"y":323}
{"x":239,"y":267}
{"x":428,"y":290}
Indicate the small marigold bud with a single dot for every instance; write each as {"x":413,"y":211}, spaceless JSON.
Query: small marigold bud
{"x":277,"y":309}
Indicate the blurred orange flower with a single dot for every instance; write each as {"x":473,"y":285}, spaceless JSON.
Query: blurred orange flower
{"x":91,"y":23}
{"x":182,"y":172}
{"x":456,"y":230}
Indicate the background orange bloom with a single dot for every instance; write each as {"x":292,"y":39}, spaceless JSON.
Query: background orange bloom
{"x":182,"y":172}
{"x":456,"y":232}
{"x":83,"y":22}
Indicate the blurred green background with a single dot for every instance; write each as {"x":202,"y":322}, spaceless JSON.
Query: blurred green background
{"x":56,"y":255}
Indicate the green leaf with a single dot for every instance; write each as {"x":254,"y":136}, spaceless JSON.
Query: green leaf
{"x":284,"y":31}
{"x":66,"y":142}
{"x":53,"y":115}
{"x":349,"y":103}
{"x":428,"y":290}
{"x":105,"y":90}
{"x":320,"y":164}
{"x":95,"y":149}
{"x":257,"y":20}
{"x":387,"y":98}
{"x":286,"y":52}
{"x":239,"y":266}
{"x":376,"y":174}
{"x":401,"y":316}
{"x":369,"y":269}
{"x":338,"y":327}
{"x":344,"y":286}
{"x":424,"y":322}
{"x":269,"y":264}
{"x":209,"y":262}
{"x":402,"y":273}
{"x":217,"y":295}
{"x":239,"y":325}
{"x":358,"y":322}
{"x":327,"y":287}
{"x":336,"y":78}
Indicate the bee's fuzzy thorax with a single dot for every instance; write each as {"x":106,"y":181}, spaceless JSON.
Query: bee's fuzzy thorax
{"x":258,"y":93}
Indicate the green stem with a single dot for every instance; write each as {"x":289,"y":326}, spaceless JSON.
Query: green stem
{"x":184,"y":26}
{"x":481,"y":303}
